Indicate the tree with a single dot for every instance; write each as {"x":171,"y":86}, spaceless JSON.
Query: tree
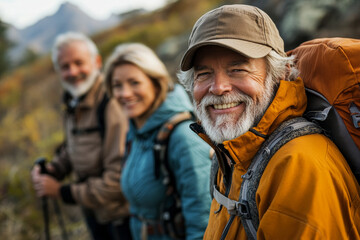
{"x":5,"y":44}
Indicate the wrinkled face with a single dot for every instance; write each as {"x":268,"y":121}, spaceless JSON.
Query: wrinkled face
{"x":134,"y":90}
{"x":76,"y":63}
{"x":231,"y":92}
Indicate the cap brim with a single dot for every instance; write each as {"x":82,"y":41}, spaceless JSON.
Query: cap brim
{"x":246,"y":48}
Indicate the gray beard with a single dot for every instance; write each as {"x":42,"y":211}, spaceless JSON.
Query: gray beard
{"x":82,"y":88}
{"x":229,"y":126}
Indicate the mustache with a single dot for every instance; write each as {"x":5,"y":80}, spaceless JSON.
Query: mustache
{"x":80,"y":76}
{"x":235,"y":96}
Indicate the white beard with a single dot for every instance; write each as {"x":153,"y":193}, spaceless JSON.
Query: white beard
{"x":81,"y":88}
{"x":229,"y":126}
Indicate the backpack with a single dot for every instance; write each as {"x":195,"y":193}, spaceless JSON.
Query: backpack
{"x":330,"y":69}
{"x":171,"y":218}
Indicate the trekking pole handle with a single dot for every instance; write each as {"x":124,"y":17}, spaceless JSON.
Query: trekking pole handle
{"x":42,"y":163}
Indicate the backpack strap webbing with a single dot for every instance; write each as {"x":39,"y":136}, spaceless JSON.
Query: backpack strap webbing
{"x":161,"y":142}
{"x":100,"y":111}
{"x":100,"y":114}
{"x":246,"y":206}
{"x":171,"y":218}
{"x":355,"y":114}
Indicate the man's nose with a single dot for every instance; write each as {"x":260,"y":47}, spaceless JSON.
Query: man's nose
{"x":72,"y":70}
{"x":220,"y":85}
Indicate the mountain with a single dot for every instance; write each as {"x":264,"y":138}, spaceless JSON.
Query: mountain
{"x":40,"y":36}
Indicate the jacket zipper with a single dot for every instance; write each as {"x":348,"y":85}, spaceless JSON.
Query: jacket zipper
{"x":231,"y":219}
{"x":198,"y":129}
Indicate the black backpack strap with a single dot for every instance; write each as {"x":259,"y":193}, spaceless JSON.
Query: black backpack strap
{"x":246,"y":207}
{"x":100,"y":111}
{"x":213,"y":173}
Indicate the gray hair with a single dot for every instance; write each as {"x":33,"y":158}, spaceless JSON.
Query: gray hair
{"x":67,"y":38}
{"x":276,"y":67}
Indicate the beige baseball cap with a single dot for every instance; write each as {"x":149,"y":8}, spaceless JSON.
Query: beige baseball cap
{"x":242,"y":28}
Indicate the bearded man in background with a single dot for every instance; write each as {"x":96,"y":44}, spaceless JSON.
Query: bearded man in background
{"x":95,"y":131}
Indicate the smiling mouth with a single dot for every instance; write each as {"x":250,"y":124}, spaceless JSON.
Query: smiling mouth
{"x":128,"y":103}
{"x":226,"y":105}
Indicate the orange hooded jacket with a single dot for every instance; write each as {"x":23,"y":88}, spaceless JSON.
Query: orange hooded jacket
{"x":307,"y":190}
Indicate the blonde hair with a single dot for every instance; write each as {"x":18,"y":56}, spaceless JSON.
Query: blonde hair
{"x":147,"y":61}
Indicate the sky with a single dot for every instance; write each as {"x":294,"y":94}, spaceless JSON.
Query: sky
{"x":23,"y":13}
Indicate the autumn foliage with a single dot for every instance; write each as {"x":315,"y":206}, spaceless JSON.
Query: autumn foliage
{"x":31,"y":121}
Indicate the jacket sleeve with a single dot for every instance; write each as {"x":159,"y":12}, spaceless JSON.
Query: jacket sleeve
{"x":104,"y":191}
{"x":190,"y":162}
{"x":61,"y":162}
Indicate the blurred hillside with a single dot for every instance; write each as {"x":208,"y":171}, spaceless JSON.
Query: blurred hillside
{"x":30,"y":108}
{"x":38,"y":38}
{"x":31,"y":120}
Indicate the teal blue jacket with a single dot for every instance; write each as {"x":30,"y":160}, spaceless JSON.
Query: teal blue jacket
{"x":189,"y":160}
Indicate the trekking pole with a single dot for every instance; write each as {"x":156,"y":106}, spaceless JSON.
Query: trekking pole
{"x":42,"y":163}
{"x":44,"y":203}
{"x":60,"y":220}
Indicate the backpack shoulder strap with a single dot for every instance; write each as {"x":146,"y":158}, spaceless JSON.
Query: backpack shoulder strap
{"x":161,"y":143}
{"x":289,"y":130}
{"x":246,"y":207}
{"x":171,"y":218}
{"x":100,"y":112}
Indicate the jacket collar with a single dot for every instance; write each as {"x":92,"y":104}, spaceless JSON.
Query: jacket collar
{"x":289,"y":102}
{"x":86,"y":101}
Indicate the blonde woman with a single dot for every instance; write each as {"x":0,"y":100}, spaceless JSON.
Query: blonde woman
{"x":137,"y":78}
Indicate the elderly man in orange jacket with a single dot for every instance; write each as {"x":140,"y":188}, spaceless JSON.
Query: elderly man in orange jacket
{"x":244,"y":88}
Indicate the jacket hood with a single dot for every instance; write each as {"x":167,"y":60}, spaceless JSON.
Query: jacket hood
{"x":176,"y":101}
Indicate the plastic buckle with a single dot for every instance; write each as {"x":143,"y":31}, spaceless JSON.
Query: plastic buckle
{"x":242,"y":209}
{"x":355,"y":115}
{"x":157,"y":147}
{"x":247,"y":175}
{"x":318,"y":115}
